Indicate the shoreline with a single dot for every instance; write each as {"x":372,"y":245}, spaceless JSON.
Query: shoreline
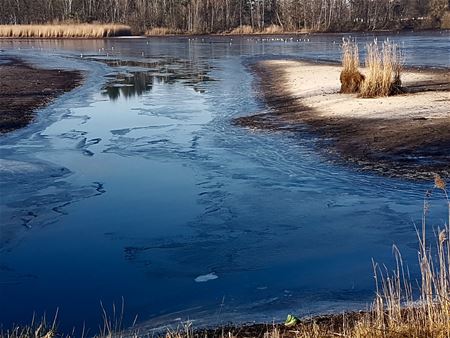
{"x":26,"y":88}
{"x":404,"y":136}
{"x":228,"y":34}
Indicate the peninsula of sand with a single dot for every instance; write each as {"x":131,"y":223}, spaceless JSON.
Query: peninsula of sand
{"x":405,"y":135}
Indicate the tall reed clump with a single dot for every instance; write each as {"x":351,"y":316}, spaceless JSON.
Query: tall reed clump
{"x":351,"y":78}
{"x":161,"y":31}
{"x":242,"y":30}
{"x":396,"y":312}
{"x":384,"y":66}
{"x":64,"y":31}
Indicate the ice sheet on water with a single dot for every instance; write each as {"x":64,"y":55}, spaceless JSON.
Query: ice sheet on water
{"x":206,"y":278}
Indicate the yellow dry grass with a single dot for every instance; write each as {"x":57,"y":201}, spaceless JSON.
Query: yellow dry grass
{"x":64,"y":31}
{"x":242,"y":30}
{"x":273,"y":29}
{"x":249,"y":30}
{"x":350,"y":56}
{"x":351,"y":78}
{"x":383,"y":69}
{"x":161,"y":31}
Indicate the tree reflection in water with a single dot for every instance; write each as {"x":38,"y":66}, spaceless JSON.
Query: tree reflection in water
{"x":137,"y":77}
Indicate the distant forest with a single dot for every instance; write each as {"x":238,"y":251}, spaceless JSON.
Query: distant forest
{"x":214,"y":16}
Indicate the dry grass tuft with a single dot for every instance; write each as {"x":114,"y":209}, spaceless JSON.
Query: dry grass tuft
{"x":242,"y":30}
{"x":273,"y":29}
{"x":64,"y":31}
{"x":351,"y":78}
{"x":384,"y":66}
{"x":161,"y":31}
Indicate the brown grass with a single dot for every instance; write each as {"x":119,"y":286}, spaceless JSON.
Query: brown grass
{"x":383,"y":70}
{"x":351,"y":78}
{"x":64,"y":31}
{"x":161,"y":31}
{"x":273,"y":29}
{"x":249,"y":30}
{"x":242,"y":30}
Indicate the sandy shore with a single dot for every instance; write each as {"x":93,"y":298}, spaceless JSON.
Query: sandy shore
{"x":406,"y":135}
{"x":24,"y":89}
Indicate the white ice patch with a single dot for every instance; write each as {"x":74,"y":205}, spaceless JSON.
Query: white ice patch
{"x":206,"y":278}
{"x":11,"y":167}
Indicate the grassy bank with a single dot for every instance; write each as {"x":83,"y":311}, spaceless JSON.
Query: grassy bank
{"x":64,"y":31}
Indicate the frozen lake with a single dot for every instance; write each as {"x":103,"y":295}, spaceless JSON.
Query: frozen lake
{"x":138,"y":185}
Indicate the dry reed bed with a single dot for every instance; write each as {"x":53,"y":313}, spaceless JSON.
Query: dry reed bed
{"x":382,"y":72}
{"x":64,"y":31}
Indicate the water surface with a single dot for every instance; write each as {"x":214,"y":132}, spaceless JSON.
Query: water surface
{"x":138,"y":186}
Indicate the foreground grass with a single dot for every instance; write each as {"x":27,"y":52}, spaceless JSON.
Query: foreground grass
{"x":64,"y":31}
{"x":395,"y":312}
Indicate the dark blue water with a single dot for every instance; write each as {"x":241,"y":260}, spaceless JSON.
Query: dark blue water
{"x":138,"y":186}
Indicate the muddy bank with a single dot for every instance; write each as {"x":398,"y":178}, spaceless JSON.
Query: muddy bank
{"x":25,"y":88}
{"x":402,"y":136}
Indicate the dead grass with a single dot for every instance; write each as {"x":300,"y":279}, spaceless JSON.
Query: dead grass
{"x":64,"y":31}
{"x":161,"y":31}
{"x":249,"y":30}
{"x":383,"y":70}
{"x":242,"y":30}
{"x":273,"y":29}
{"x":351,"y":78}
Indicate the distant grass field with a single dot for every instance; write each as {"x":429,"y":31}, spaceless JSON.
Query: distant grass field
{"x":64,"y":31}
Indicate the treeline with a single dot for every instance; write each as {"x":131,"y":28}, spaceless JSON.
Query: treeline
{"x":212,"y":16}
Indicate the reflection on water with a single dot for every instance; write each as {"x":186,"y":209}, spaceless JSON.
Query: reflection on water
{"x":130,"y":82}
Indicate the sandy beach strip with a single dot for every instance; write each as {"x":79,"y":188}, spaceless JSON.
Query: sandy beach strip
{"x":25,"y":88}
{"x":406,"y":135}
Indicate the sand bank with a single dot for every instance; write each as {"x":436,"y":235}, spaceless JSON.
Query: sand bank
{"x":406,"y":135}
{"x":24,"y":89}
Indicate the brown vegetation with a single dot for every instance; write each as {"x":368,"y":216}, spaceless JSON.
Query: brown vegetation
{"x":249,"y":30}
{"x":64,"y":31}
{"x":382,"y":72}
{"x":351,"y":78}
{"x":383,"y":68}
{"x":161,"y":31}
